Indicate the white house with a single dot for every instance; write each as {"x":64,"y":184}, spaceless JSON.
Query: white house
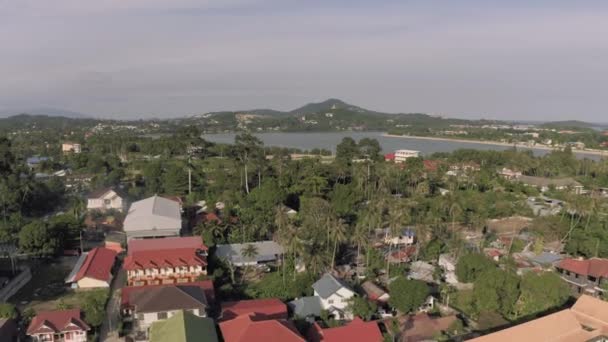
{"x":153,"y":217}
{"x":71,"y":147}
{"x":106,"y":199}
{"x":335,"y":295}
{"x":405,"y":237}
{"x":402,"y":155}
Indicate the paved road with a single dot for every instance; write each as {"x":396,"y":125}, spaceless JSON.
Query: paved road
{"x":109,"y":327}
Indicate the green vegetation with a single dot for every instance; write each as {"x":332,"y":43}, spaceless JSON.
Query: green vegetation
{"x":407,"y":295}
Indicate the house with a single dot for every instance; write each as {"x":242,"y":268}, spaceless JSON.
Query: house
{"x":545,"y":259}
{"x":389,"y":157}
{"x":246,"y":329}
{"x":93,"y":269}
{"x":406,"y":236}
{"x":558,"y":183}
{"x":165,"y":261}
{"x":422,"y":327}
{"x":448,"y":263}
{"x":402,"y":155}
{"x":306,"y":307}
{"x":71,"y":147}
{"x":33,"y":162}
{"x":509,"y":174}
{"x":260,"y":309}
{"x":584,"y":276}
{"x":421,"y":270}
{"x":493,"y":253}
{"x":126,"y":308}
{"x":374,"y":292}
{"x":58,"y":325}
{"x":401,"y":255}
{"x":335,"y":295}
{"x":184,"y":326}
{"x":8,"y":329}
{"x":153,"y":217}
{"x":147,"y":305}
{"x":264,"y":252}
{"x":585,"y":321}
{"x":106,"y":199}
{"x":357,"y":330}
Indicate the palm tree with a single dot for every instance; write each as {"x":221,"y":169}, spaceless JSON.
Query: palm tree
{"x":339,"y":236}
{"x":455,"y":211}
{"x":360,"y":237}
{"x":395,"y":222}
{"x":250,"y":251}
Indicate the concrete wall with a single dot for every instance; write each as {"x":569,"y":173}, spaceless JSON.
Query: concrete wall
{"x":15,"y":284}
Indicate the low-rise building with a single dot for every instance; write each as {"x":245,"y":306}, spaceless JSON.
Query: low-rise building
{"x":357,"y":330}
{"x":261,"y":309}
{"x":402,"y":155}
{"x":71,"y":147}
{"x":153,"y":217}
{"x":374,"y":292}
{"x":184,"y":326}
{"x":335,"y":295}
{"x":584,"y":276}
{"x":165,"y":261}
{"x":106,"y":199}
{"x":93,"y":269}
{"x":246,"y":328}
{"x":58,"y":326}
{"x":251,"y":253}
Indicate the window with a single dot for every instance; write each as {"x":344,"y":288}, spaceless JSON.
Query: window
{"x":162,"y":315}
{"x":107,"y":202}
{"x":140,"y":317}
{"x":331,"y":301}
{"x":593,"y":279}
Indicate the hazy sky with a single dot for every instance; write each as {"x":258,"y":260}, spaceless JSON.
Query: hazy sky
{"x":508,"y":59}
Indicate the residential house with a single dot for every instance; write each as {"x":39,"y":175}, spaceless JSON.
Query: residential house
{"x":165,"y":261}
{"x":586,"y":321}
{"x":106,"y":199}
{"x":71,"y":147}
{"x":58,"y":326}
{"x":335,"y":295}
{"x":8,"y":329}
{"x":400,"y":255}
{"x":584,"y":276}
{"x":153,"y":217}
{"x":356,"y":330}
{"x":422,"y":327}
{"x":406,"y":236}
{"x":448,"y":263}
{"x":246,"y":328}
{"x":146,"y":305}
{"x":306,"y":307}
{"x":421,"y":270}
{"x":544,"y":184}
{"x":184,"y":326}
{"x":374,"y":292}
{"x":260,"y":309}
{"x":33,"y":162}
{"x":509,"y":174}
{"x":402,"y":155}
{"x":93,"y":269}
{"x":264,"y":252}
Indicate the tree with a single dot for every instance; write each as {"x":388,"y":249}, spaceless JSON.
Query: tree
{"x":248,"y":147}
{"x":8,"y":310}
{"x":362,"y":307}
{"x":175,"y":181}
{"x":346,"y":150}
{"x":496,"y":290}
{"x":471,"y":265}
{"x":541,"y":292}
{"x":250,"y":251}
{"x":407,"y":295}
{"x":36,"y":238}
{"x":93,"y":305}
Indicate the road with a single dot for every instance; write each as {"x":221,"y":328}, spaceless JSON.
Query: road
{"x":109,"y":327}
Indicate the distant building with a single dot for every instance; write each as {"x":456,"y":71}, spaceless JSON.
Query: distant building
{"x":402,"y":155}
{"x":71,"y":147}
{"x":509,"y":174}
{"x":153,"y":217}
{"x":545,"y":184}
{"x":58,"y":325}
{"x":406,"y":236}
{"x":106,"y":199}
{"x":33,"y":162}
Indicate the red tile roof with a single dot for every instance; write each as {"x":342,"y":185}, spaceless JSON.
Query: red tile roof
{"x":56,"y":322}
{"x":192,"y":242}
{"x":98,"y":265}
{"x":164,"y":258}
{"x":389,"y":156}
{"x":430,"y":165}
{"x":206,"y":285}
{"x":245,"y":329}
{"x":357,"y":330}
{"x":594,"y":267}
{"x":261,"y":309}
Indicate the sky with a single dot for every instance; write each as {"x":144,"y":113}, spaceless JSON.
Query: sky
{"x":498,"y":59}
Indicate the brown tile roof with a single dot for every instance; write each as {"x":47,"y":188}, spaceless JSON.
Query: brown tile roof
{"x":245,"y":329}
{"x":588,"y":318}
{"x":168,"y":298}
{"x":595,"y":267}
{"x":270,"y":308}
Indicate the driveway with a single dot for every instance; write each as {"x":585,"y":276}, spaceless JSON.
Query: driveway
{"x":109,"y":327}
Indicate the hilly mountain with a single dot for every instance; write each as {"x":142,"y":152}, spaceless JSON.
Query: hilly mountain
{"x":44,"y":111}
{"x":328,"y":106}
{"x":569,"y":124}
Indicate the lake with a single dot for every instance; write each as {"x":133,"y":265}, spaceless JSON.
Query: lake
{"x":329,"y":140}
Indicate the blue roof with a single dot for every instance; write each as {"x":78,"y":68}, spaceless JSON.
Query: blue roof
{"x":409,"y":232}
{"x":546,"y":258}
{"x":36,"y":160}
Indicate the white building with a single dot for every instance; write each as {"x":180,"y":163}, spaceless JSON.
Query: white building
{"x":153,"y":217}
{"x":71,"y":147}
{"x":105,"y":199}
{"x":335,"y":296}
{"x":402,"y":155}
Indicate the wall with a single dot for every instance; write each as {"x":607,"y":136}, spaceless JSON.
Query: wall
{"x":15,"y":284}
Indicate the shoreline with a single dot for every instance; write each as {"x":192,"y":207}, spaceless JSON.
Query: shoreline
{"x":496,"y":143}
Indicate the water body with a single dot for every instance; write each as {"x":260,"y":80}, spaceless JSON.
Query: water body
{"x":329,"y":140}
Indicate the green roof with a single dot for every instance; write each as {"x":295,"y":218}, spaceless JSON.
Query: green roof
{"x":184,"y":327}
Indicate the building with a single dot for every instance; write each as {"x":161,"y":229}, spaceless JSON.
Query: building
{"x":59,"y":326}
{"x":586,"y":321}
{"x":422,"y":327}
{"x":106,"y":199}
{"x":584,"y":276}
{"x":147,"y":305}
{"x":306,"y":307}
{"x":261,"y":309}
{"x":509,"y":174}
{"x":33,"y":162}
{"x":246,"y":328}
{"x":545,"y":184}
{"x":8,"y":329}
{"x":421,"y":270}
{"x":403,"y":155}
{"x":448,"y":263}
{"x":93,"y":269}
{"x":184,"y":326}
{"x":335,"y":295}
{"x":165,"y":261}
{"x":374,"y":292}
{"x":71,"y":147}
{"x":407,"y":236}
{"x":357,"y":330}
{"x":153,"y":217}
{"x":263,"y":252}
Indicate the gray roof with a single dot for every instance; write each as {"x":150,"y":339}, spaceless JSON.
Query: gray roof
{"x":153,"y":213}
{"x":328,"y":285}
{"x":266,"y":251}
{"x":306,"y":306}
{"x":542,"y":181}
{"x":168,"y":298}
{"x":546,"y":258}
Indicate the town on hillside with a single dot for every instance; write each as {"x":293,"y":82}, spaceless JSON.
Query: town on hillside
{"x":130,"y":237}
